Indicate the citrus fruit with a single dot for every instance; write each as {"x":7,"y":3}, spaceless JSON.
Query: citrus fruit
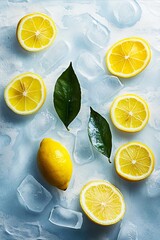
{"x":128,"y":57}
{"x":36,"y":32}
{"x":129,"y":113}
{"x":55,"y":163}
{"x":102,"y":202}
{"x":25,"y":94}
{"x":134,"y":161}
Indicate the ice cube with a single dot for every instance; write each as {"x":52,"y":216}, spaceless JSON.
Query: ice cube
{"x":103,"y":89}
{"x":17,"y":1}
{"x":153,"y":184}
{"x":67,"y":139}
{"x":122,"y":13}
{"x":41,"y":124}
{"x":128,"y":231}
{"x":153,"y":97}
{"x":8,"y":137}
{"x":24,"y":230}
{"x":6,"y":161}
{"x":88,"y":66}
{"x":75,"y":125}
{"x":53,"y":58}
{"x":64,"y":137}
{"x":66,"y":217}
{"x":92,"y":32}
{"x":32,"y":195}
{"x":83,"y":152}
{"x":97,"y":33}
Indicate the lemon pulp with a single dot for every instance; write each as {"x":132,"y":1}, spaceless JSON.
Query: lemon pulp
{"x":25,"y":94}
{"x":134,"y":161}
{"x":128,"y":57}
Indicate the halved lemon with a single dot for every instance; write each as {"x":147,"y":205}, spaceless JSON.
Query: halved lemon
{"x":129,"y":113}
{"x":128,"y":57}
{"x":36,"y":32}
{"x":102,"y":202}
{"x":134,"y":161}
{"x":25,"y":94}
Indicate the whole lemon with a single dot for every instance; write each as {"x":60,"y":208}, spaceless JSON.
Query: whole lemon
{"x":55,"y":163}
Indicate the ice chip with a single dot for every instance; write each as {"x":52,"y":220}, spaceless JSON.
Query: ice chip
{"x":153,"y":184}
{"x":97,"y":33}
{"x":83,"y":152}
{"x":24,"y":230}
{"x":92,"y":31}
{"x":128,"y":231}
{"x":55,"y":56}
{"x":75,"y":125}
{"x":8,"y":137}
{"x":66,"y":217}
{"x":88,"y":66}
{"x":41,"y":123}
{"x":32,"y":195}
{"x":66,"y":138}
{"x":122,"y":13}
{"x":17,"y":1}
{"x":103,"y":89}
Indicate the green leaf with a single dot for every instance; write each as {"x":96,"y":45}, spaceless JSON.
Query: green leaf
{"x":100,"y":134}
{"x":67,"y":96}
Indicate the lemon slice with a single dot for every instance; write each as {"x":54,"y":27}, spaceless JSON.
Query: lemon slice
{"x":102,"y":202}
{"x":134,"y":161}
{"x":129,"y":113}
{"x":36,"y":32}
{"x":25,"y":94}
{"x":128,"y":57}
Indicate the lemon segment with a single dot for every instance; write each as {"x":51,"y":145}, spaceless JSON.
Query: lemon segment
{"x":134,"y":161}
{"x":36,"y":32}
{"x":102,"y":202}
{"x":128,"y":57}
{"x":25,"y":94}
{"x":55,"y":163}
{"x":129,"y":113}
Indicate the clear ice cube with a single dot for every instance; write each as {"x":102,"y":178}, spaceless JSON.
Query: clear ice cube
{"x":83,"y":152}
{"x":92,"y":32}
{"x":153,"y":97}
{"x":153,"y":184}
{"x":24,"y":230}
{"x":66,"y":217}
{"x":45,"y":120}
{"x":128,"y":231}
{"x":97,"y":33}
{"x":32,"y":195}
{"x":17,"y":1}
{"x":122,"y":13}
{"x":88,"y":66}
{"x":103,"y":89}
{"x":75,"y":125}
{"x":66,"y":138}
{"x":8,"y":137}
{"x":54,"y":57}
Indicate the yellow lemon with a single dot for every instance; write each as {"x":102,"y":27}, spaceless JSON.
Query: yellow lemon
{"x":25,"y":94}
{"x":55,"y":163}
{"x":129,"y":113}
{"x":36,"y":32}
{"x":128,"y":57}
{"x":134,"y":161}
{"x":102,"y":202}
